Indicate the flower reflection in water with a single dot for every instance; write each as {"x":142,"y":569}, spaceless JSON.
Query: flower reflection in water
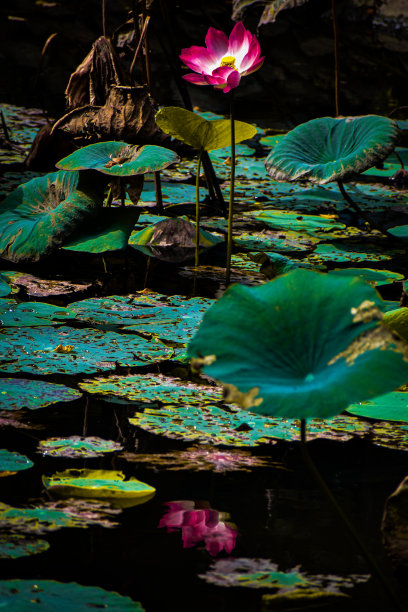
{"x":198,"y":522}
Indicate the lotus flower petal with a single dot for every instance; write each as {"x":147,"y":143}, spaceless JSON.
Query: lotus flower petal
{"x":217,"y":42}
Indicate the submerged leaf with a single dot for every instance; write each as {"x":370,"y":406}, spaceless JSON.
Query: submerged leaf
{"x":77,"y":446}
{"x":16,"y":545}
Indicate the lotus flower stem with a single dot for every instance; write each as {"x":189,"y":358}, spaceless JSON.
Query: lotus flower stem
{"x":231,"y":197}
{"x":109,"y":197}
{"x":345,"y":520}
{"x":158,"y":192}
{"x":139,"y":44}
{"x":4,"y":126}
{"x":197,"y":241}
{"x":361,"y":213}
{"x":104,"y":18}
{"x":336,"y":58}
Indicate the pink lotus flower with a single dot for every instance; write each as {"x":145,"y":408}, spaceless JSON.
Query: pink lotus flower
{"x":224,"y":60}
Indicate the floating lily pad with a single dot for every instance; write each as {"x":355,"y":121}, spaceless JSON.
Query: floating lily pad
{"x":329,"y":149}
{"x":340,"y":253}
{"x":99,"y":484}
{"x":47,"y":350}
{"x":109,"y":232}
{"x":30,"y":314}
{"x":215,"y":425}
{"x":47,"y":595}
{"x":389,"y":407}
{"x":281,"y":241}
{"x":373,"y":277}
{"x":151,"y":388}
{"x":40,"y":214}
{"x":43,"y":287}
{"x":11,"y":462}
{"x":309,"y":224}
{"x":305,"y":359}
{"x":16,"y":545}
{"x":18,"y":393}
{"x":172,"y":193}
{"x":5,"y":288}
{"x":77,"y":446}
{"x":119,"y":159}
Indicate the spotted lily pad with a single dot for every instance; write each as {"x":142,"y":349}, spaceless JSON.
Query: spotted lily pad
{"x":151,"y":388}
{"x":119,"y":159}
{"x":48,"y":595}
{"x":99,"y":484}
{"x":11,"y":462}
{"x":47,"y":350}
{"x":77,"y":446}
{"x":40,"y":214}
{"x":30,"y":314}
{"x":305,"y":359}
{"x":329,"y":149}
{"x":18,"y":393}
{"x":217,"y":425}
{"x":309,"y":224}
{"x":16,"y":545}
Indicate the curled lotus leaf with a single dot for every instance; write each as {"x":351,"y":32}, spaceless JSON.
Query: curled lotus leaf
{"x":77,"y":446}
{"x":150,"y":389}
{"x":119,"y":158}
{"x":301,"y":358}
{"x":47,"y":595}
{"x":39,"y":215}
{"x":30,"y":314}
{"x":48,"y":350}
{"x":329,"y":149}
{"x":18,"y":393}
{"x":16,"y":545}
{"x":11,"y":462}
{"x":199,"y":132}
{"x":109,"y":485}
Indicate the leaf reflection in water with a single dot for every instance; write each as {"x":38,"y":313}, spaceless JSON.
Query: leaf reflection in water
{"x":198,"y":522}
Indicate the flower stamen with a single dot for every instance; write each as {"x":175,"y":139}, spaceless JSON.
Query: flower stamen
{"x":229,"y":61}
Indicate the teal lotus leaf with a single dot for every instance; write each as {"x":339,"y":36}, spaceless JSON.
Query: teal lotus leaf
{"x":151,"y":389}
{"x":13,"y":462}
{"x":303,"y":357}
{"x":397,"y":320}
{"x":219,"y":425}
{"x":47,"y":350}
{"x":296,"y":222}
{"x":119,"y":159}
{"x":373,"y":277}
{"x":19,"y":595}
{"x":30,"y":314}
{"x":280,"y":241}
{"x":5,"y":288}
{"x":77,"y":446}
{"x":389,"y":407}
{"x":109,"y":232}
{"x":399,"y":231}
{"x":329,"y":149}
{"x":40,"y":214}
{"x":18,"y":393}
{"x":171,"y":318}
{"x":109,"y":485}
{"x":17,"y":545}
{"x":340,"y":253}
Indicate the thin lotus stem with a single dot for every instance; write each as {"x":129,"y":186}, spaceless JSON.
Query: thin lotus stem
{"x":146,"y":47}
{"x":146,"y":278}
{"x":139,"y":46}
{"x":5,"y":128}
{"x":362,"y":214}
{"x":231,"y":198}
{"x":401,"y":161}
{"x":336,"y":58}
{"x":158,"y":192}
{"x":122,"y":191}
{"x":109,"y":197}
{"x":197,"y":240}
{"x":105,"y":267}
{"x":104,"y":18}
{"x":344,"y":519}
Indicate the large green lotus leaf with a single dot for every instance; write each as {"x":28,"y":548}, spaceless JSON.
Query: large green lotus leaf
{"x":109,"y":232}
{"x":49,"y":595}
{"x":47,"y":350}
{"x":340,"y":253}
{"x":40,"y":214}
{"x":99,"y":484}
{"x":306,"y":356}
{"x":309,"y":224}
{"x":31,"y":314}
{"x":397,"y":320}
{"x":13,"y":462}
{"x":329,"y":149}
{"x":389,"y":407}
{"x":18,"y":393}
{"x":211,"y":424}
{"x":199,"y":132}
{"x":291,"y":588}
{"x":77,"y":446}
{"x":119,"y":159}
{"x":17,"y":545}
{"x":373,"y":277}
{"x":5,"y":288}
{"x":151,"y":388}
